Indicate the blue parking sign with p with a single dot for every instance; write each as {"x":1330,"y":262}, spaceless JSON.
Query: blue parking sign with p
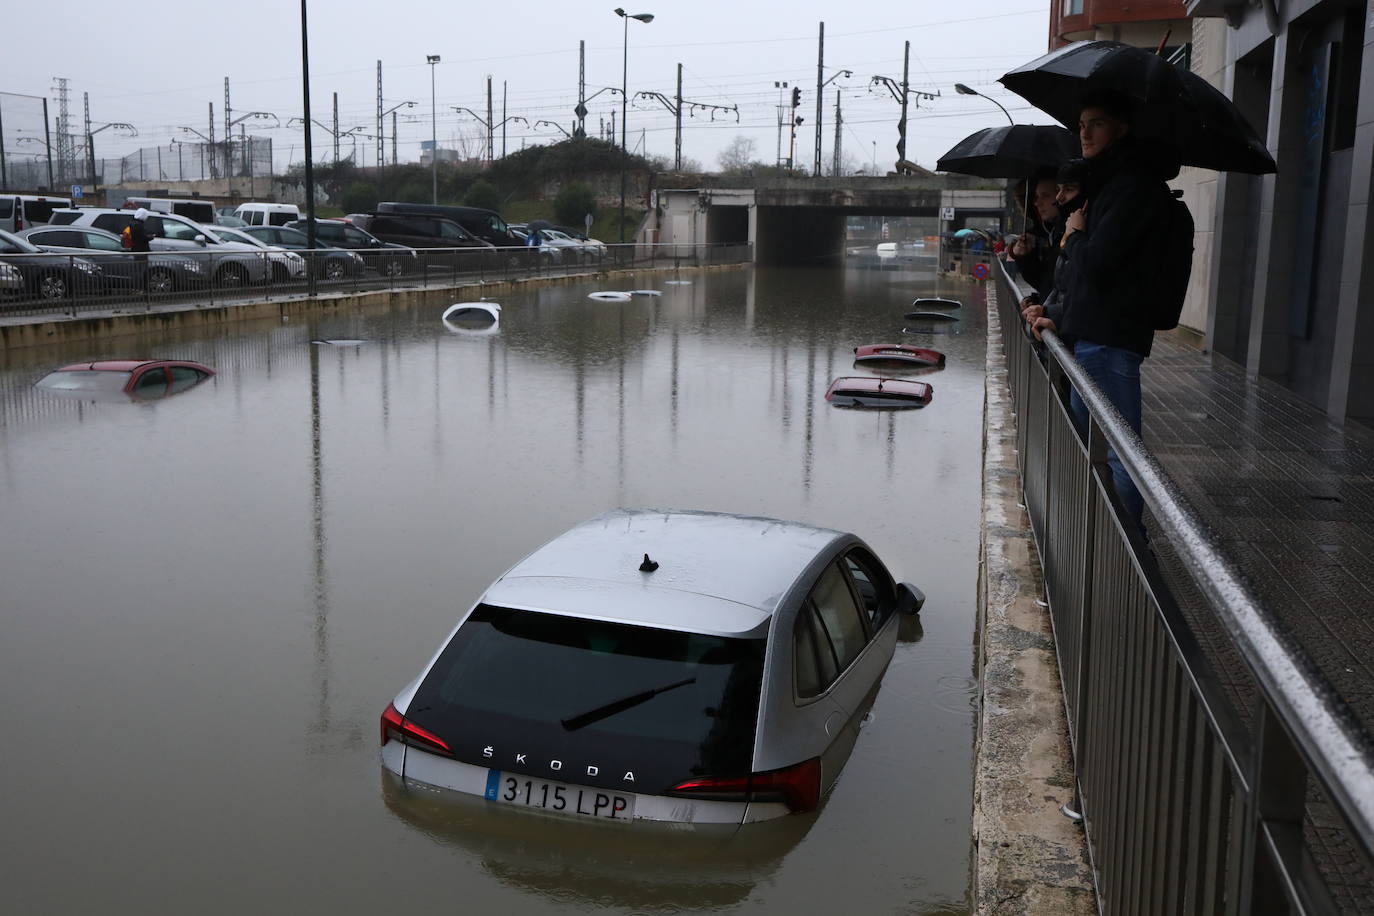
{"x":76,"y":191}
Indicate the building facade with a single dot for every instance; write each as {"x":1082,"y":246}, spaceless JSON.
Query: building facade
{"x":1291,"y":293}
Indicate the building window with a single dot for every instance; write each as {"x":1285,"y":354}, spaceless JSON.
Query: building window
{"x":1073,"y":7}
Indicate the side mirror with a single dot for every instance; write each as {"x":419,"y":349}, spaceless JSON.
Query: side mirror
{"x":375,"y":243}
{"x":910,"y":599}
{"x":200,"y":240}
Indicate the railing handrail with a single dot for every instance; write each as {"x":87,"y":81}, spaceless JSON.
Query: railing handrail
{"x":1329,"y":739}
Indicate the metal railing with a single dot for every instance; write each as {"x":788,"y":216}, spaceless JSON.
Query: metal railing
{"x":1189,"y":805}
{"x":51,"y":284}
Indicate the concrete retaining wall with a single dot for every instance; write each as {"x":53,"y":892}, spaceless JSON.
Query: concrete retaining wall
{"x":1029,"y":857}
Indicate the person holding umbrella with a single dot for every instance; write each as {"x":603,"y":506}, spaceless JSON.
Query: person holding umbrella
{"x":1033,"y":251}
{"x":1108,"y":282}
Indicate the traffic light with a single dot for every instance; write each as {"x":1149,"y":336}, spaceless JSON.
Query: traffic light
{"x":796,"y":96}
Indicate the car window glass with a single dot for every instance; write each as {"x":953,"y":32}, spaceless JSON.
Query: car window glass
{"x":329,"y":231}
{"x":38,"y":211}
{"x":63,"y":237}
{"x":184,"y":377}
{"x":290,"y":236}
{"x":873,"y":585}
{"x":356,"y":236}
{"x":112,"y":222}
{"x":101,"y":242}
{"x":276,"y":219}
{"x":813,"y":654}
{"x":839,"y":615}
{"x":6,"y":207}
{"x":451,"y":231}
{"x":151,"y":380}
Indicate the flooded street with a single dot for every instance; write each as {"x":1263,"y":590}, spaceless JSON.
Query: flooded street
{"x":208,"y":600}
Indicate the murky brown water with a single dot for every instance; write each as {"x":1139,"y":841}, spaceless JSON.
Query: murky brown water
{"x":208,"y":600}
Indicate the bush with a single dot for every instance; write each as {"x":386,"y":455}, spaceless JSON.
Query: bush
{"x":483,"y":193}
{"x":573,"y":203}
{"x":359,"y":197}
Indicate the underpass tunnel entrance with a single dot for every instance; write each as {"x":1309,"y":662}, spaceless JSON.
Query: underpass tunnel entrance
{"x":727,"y":225}
{"x":799,"y":236}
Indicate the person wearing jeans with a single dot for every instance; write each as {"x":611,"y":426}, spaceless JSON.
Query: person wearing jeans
{"x":1108,"y":281}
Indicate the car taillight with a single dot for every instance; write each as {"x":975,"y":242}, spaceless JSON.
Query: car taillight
{"x":396,"y":727}
{"x":798,"y":787}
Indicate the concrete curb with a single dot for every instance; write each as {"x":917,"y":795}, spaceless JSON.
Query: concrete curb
{"x":102,"y":324}
{"x":1029,"y":858}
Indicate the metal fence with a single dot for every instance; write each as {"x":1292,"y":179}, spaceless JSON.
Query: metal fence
{"x":51,"y":284}
{"x":1189,"y":806}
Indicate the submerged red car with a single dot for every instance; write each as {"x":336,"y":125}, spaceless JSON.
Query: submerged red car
{"x":139,"y":379}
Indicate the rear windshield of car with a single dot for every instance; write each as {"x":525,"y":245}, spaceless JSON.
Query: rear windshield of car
{"x":85,"y":380}
{"x":664,"y":705}
{"x":64,"y":219}
{"x":38,"y":211}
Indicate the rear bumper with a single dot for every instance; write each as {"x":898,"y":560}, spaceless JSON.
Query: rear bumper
{"x":443,"y":773}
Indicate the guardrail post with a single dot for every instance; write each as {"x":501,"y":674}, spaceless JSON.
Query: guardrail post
{"x":1273,"y":817}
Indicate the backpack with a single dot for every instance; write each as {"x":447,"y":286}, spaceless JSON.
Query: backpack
{"x":126,"y":238}
{"x":1168,"y":258}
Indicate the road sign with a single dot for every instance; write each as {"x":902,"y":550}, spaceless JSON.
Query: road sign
{"x":587,"y":222}
{"x":980,"y":270}
{"x":947,"y":214}
{"x":580,"y":110}
{"x":76,"y":191}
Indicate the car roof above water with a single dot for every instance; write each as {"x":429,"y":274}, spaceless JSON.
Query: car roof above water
{"x":718,"y":573}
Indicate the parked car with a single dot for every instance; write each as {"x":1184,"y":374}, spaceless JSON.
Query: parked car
{"x":286,"y":265}
{"x":24,"y":211}
{"x":583,"y":250}
{"x":421,"y":233}
{"x":232,"y":222}
{"x":162,"y":272}
{"x":265,"y":214}
{"x":331,"y":263}
{"x":230,"y":264}
{"x":486,"y":224}
{"x":550,"y":252}
{"x":386,"y":258}
{"x":596,"y":244}
{"x":116,"y":379}
{"x":197,"y":210}
{"x":49,"y":276}
{"x":722,"y":679}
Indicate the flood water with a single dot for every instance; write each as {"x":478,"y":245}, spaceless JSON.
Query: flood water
{"x":207,"y":601}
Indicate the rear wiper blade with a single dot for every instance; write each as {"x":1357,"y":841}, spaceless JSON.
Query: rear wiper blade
{"x":582,"y":720}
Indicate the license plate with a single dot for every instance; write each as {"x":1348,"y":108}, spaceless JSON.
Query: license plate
{"x":514,"y":789}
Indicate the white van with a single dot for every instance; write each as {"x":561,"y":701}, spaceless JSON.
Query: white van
{"x":197,"y":210}
{"x":24,"y":211}
{"x":255,"y":214}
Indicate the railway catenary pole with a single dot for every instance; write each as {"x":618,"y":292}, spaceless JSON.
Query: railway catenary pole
{"x":309,"y":166}
{"x":820,"y":85}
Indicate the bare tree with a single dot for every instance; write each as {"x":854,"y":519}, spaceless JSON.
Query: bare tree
{"x":738,"y":156}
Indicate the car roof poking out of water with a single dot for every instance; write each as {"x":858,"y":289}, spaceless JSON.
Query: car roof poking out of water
{"x":125,"y":379}
{"x":690,"y":667}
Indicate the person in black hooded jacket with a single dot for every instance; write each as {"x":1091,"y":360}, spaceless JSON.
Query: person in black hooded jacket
{"x":1107,"y":286}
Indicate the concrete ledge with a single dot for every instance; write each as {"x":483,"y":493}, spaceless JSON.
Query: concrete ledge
{"x":33,"y":331}
{"x":1029,"y":858}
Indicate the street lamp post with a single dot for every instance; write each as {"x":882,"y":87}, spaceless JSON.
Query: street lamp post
{"x":380,"y":163}
{"x":969,"y":90}
{"x":433,"y":59}
{"x":309,"y":165}
{"x":645,"y":18}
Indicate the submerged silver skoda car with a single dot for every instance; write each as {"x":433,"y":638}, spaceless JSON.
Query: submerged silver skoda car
{"x":665,"y":666}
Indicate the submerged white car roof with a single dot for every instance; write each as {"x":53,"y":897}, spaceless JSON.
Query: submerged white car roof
{"x":717,"y":573}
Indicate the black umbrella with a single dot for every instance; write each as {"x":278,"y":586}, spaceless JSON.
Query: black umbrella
{"x":1011,"y":151}
{"x":537,"y":224}
{"x":1171,"y":104}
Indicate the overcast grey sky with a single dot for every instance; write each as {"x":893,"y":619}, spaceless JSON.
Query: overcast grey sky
{"x":157,"y":65}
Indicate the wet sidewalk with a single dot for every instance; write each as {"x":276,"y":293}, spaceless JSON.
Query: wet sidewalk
{"x":1290,"y":497}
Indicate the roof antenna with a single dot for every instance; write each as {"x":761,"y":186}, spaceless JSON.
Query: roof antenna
{"x":648,"y":565}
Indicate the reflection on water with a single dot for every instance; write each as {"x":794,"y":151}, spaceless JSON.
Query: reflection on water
{"x":218,"y":593}
{"x":637,"y":867}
